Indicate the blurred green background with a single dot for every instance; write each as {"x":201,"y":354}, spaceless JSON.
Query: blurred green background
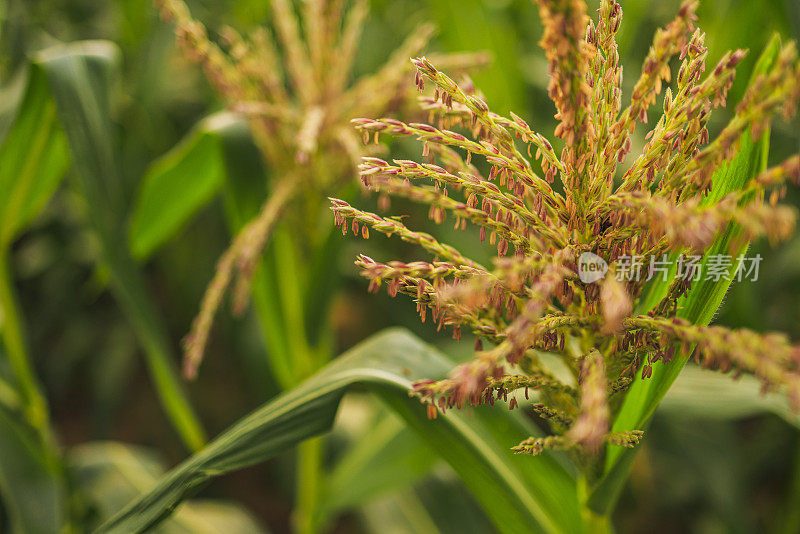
{"x":693,"y":474}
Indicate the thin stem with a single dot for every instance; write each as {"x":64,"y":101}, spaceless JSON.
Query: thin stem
{"x":9,"y":397}
{"x":27,"y":396}
{"x":34,"y":404}
{"x":128,"y":286}
{"x":309,"y":475}
{"x":595,"y":523}
{"x":290,"y":276}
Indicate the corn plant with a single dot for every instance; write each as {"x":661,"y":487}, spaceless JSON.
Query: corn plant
{"x":663,"y":204}
{"x":66,"y":115}
{"x":597,"y":353}
{"x":303,"y":135}
{"x":298,"y":105}
{"x":63,"y":122}
{"x":597,"y":357}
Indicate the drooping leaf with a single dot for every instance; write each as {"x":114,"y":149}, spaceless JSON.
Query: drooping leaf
{"x":80,"y":76}
{"x":521,"y":494}
{"x":541,"y":491}
{"x":110,"y":474}
{"x":698,"y":306}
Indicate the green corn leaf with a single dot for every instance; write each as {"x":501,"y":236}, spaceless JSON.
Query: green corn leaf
{"x":80,"y":76}
{"x":323,"y":283}
{"x":245,"y":184}
{"x":398,"y":514}
{"x":545,"y":491}
{"x":218,"y":155}
{"x":244,"y":193}
{"x":438,"y":505}
{"x":33,"y":159}
{"x":12,"y":93}
{"x":109,"y":474}
{"x":521,"y":494}
{"x":698,"y":306}
{"x":709,"y":394}
{"x":179,"y":184}
{"x":31,"y":483}
{"x":386,"y":457}
{"x":281,"y":292}
{"x":245,"y":188}
{"x":277,"y":282}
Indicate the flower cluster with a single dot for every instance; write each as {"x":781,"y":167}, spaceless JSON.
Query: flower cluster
{"x":543,"y":211}
{"x":299,"y":105}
